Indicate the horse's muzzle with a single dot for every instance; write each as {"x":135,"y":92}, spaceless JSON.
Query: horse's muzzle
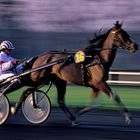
{"x":133,"y":47}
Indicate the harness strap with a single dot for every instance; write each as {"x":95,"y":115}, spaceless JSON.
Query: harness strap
{"x":84,"y":68}
{"x":84,"y":75}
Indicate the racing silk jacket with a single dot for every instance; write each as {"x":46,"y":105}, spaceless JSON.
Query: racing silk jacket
{"x":5,"y":63}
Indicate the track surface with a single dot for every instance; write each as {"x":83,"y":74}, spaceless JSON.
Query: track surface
{"x":97,"y":125}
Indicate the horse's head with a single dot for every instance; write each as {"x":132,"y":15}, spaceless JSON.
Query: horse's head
{"x":122,"y":38}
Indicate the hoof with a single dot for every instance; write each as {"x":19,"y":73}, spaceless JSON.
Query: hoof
{"x":74,"y":123}
{"x":13,"y":110}
{"x":127,"y":119}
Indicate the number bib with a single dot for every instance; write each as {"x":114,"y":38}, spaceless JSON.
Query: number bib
{"x":79,"y":57}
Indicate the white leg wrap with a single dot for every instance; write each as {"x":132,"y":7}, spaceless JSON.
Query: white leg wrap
{"x":112,"y":95}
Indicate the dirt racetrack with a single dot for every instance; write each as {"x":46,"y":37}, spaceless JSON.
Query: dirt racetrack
{"x":96,"y":125}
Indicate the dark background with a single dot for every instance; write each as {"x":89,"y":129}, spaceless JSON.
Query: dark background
{"x":37,"y":26}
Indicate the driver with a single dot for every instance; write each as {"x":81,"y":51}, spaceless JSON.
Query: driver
{"x":8,"y":64}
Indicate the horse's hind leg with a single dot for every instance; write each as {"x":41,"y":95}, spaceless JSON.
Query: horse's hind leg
{"x":61,"y":90}
{"x":106,"y":89}
{"x":22,"y":98}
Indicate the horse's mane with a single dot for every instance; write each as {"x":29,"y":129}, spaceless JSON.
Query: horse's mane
{"x":97,"y":41}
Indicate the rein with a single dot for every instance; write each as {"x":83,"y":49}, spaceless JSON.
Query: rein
{"x":91,"y":49}
{"x":101,"y":49}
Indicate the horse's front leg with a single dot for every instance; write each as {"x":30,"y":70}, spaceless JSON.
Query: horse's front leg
{"x":117,"y":99}
{"x":94,"y":105}
{"x":61,"y":90}
{"x":106,"y":89}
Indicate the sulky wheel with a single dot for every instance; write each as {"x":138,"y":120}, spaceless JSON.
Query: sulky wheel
{"x":36,"y":107}
{"x":4,"y":109}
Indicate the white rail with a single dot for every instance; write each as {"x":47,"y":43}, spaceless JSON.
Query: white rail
{"x":124,"y":73}
{"x":136,"y":75}
{"x":123,"y":82}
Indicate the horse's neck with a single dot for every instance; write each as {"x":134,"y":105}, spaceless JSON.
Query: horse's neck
{"x":108,"y":53}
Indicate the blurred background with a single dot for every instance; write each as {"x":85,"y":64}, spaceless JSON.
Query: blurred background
{"x":35,"y":26}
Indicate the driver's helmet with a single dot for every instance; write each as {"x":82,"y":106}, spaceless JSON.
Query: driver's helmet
{"x":6,"y":45}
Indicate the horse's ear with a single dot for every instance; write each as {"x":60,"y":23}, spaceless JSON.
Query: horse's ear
{"x":118,"y":25}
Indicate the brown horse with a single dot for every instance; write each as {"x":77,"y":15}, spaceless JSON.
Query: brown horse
{"x":93,"y":72}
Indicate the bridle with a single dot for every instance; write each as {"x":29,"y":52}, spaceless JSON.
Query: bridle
{"x":119,"y":39}
{"x":115,"y":40}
